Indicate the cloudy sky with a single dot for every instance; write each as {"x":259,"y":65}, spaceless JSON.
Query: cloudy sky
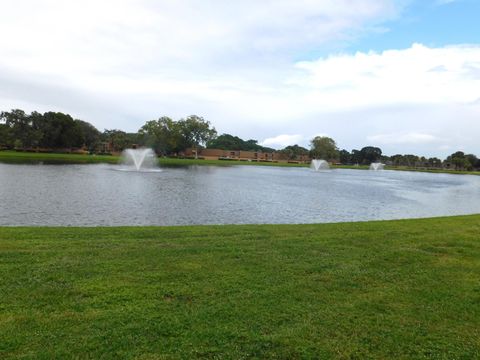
{"x":400,"y":74}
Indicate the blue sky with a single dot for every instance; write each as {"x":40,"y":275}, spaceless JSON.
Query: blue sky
{"x":431,"y":23}
{"x":403,"y":75}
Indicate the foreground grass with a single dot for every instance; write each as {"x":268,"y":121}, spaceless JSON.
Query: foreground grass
{"x":398,"y":289}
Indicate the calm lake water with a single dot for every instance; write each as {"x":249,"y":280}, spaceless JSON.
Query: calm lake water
{"x":102,"y":195}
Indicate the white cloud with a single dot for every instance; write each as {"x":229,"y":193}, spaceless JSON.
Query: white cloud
{"x":406,"y":139}
{"x":149,"y":58}
{"x":416,"y":75}
{"x":118,"y":63}
{"x":282,"y":141}
{"x":110,"y":37}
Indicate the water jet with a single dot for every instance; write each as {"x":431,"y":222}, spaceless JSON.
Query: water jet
{"x":377,"y":166}
{"x":318,"y":165}
{"x":142,"y":159}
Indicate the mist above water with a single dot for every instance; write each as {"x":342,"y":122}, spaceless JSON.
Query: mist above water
{"x":319,"y":165}
{"x":377,"y":166}
{"x":142,"y":159}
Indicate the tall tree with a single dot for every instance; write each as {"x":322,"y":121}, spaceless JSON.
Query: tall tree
{"x":195,"y":132}
{"x":59,"y":131}
{"x":293,"y":152}
{"x":473,"y":161}
{"x":20,"y":125}
{"x":434,"y":162}
{"x":118,"y":139}
{"x":370,"y":154}
{"x":163,"y":135}
{"x":323,"y":147}
{"x":226,"y":142}
{"x":89,"y":133}
{"x":230,"y":142}
{"x":345,"y":157}
{"x":6,"y":138}
{"x":459,"y":160}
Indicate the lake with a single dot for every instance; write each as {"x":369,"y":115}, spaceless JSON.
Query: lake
{"x":92,"y":195}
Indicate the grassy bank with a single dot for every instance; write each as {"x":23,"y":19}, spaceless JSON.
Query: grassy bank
{"x":434,"y":171}
{"x":398,"y":289}
{"x":17,"y":157}
{"x":14,"y":157}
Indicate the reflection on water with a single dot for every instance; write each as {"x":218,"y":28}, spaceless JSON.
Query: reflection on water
{"x":99,"y":195}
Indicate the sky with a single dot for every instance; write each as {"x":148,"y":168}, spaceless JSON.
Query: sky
{"x":403,"y":75}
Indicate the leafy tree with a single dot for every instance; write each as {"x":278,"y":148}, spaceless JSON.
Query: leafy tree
{"x":473,"y":161}
{"x":434,"y":162}
{"x":345,"y":157}
{"x":35,"y":134}
{"x":459,"y":160}
{"x":14,"y":118}
{"x":49,"y":130}
{"x":370,"y":154}
{"x":230,"y":142}
{"x":6,"y":138}
{"x":356,"y":156}
{"x":396,"y":159}
{"x":89,"y":133}
{"x":118,"y":139}
{"x":323,"y":147}
{"x":411,"y":160}
{"x":195,"y":132}
{"x":252,"y":145}
{"x":59,"y":131}
{"x":294,"y":151}
{"x":226,"y":142}
{"x":163,"y":135}
{"x":20,"y":125}
{"x":406,"y":160}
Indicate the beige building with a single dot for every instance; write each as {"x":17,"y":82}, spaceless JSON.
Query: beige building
{"x":240,"y":155}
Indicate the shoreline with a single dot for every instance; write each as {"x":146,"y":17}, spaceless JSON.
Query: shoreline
{"x":14,"y":157}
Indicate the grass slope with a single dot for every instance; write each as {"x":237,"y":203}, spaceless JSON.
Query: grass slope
{"x":396,"y":289}
{"x":18,"y":157}
{"x":14,"y":157}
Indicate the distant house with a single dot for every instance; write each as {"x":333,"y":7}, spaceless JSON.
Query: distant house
{"x":241,"y":155}
{"x":104,"y":147}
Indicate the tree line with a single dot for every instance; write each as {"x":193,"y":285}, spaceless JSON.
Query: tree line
{"x":59,"y":131}
{"x":326,"y":148}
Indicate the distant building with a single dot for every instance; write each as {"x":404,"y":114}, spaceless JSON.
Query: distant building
{"x":104,"y":147}
{"x":241,"y":155}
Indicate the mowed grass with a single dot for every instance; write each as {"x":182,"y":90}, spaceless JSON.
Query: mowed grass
{"x":396,"y":289}
{"x":18,"y":157}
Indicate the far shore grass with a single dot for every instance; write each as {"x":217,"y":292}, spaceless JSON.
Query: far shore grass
{"x":17,"y":157}
{"x":406,"y":289}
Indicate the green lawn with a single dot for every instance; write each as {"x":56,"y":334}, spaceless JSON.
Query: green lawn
{"x":397,"y":289}
{"x":439,"y":171}
{"x":14,"y":157}
{"x":17,"y":157}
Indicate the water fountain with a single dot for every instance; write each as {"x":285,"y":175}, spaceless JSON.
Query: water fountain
{"x":319,"y":165}
{"x":142,"y":159}
{"x":377,"y":166}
